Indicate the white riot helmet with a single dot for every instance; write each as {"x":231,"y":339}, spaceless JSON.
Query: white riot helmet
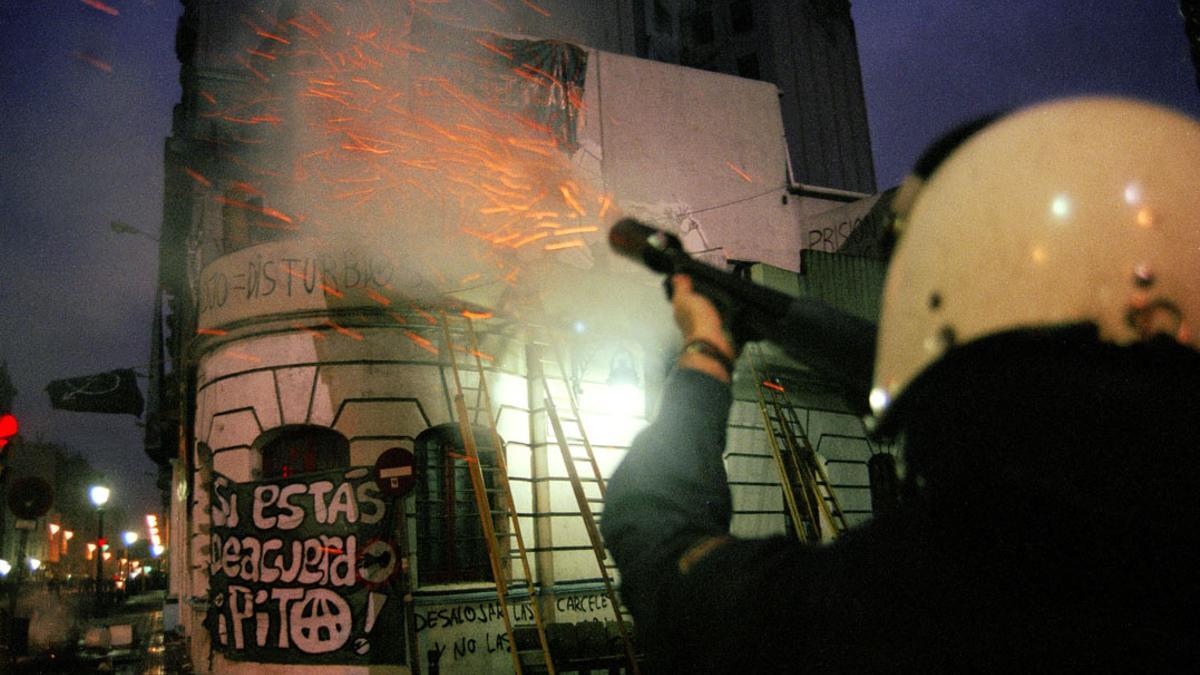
{"x":1081,"y":211}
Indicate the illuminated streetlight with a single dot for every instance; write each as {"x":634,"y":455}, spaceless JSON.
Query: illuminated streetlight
{"x":99,"y":495}
{"x":130,"y":537}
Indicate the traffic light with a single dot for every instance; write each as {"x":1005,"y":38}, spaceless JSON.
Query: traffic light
{"x":8,"y":428}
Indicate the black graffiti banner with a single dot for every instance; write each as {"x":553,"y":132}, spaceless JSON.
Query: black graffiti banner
{"x":115,"y":391}
{"x":305,"y":570}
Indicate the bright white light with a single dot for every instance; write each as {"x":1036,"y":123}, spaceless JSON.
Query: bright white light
{"x":5,"y":568}
{"x":67,"y":534}
{"x":91,"y":547}
{"x":1061,"y":206}
{"x":99,"y":495}
{"x":54,"y":528}
{"x":614,"y":399}
{"x":130,"y":537}
{"x":579,"y":326}
{"x":158,"y":550}
{"x":879,"y":400}
{"x":107,"y":555}
{"x":34,"y":564}
{"x":1133,"y":194}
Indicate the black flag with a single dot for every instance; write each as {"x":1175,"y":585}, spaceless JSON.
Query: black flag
{"x":113,"y":392}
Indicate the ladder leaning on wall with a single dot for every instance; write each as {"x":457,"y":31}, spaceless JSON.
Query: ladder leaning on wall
{"x":546,"y":353}
{"x":500,"y":555}
{"x":807,"y":492}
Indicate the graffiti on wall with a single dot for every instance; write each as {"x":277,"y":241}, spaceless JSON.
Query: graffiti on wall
{"x":468,"y":632}
{"x":304,"y":570}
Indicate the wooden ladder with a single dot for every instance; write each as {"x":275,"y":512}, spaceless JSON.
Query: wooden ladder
{"x":590,"y":503}
{"x":499,"y":554}
{"x":807,"y":492}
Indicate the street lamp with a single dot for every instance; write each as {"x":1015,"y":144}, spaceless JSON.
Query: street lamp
{"x":99,"y":496}
{"x":130,"y":538}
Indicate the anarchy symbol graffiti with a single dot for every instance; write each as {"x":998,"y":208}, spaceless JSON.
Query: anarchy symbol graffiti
{"x":320,"y":623}
{"x":93,"y":385}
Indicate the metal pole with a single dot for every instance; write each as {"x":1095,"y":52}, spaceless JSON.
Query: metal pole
{"x":99,"y":558}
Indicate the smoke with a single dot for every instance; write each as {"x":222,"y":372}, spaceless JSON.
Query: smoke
{"x":426,"y":132}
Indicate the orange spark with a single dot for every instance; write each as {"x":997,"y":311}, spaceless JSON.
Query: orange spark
{"x":576,"y":230}
{"x":745,"y":176}
{"x":535,"y":8}
{"x":269,"y":212}
{"x":330,"y":290}
{"x":772,"y":385}
{"x":246,"y":64}
{"x":531,"y":238}
{"x":491,"y":47}
{"x":242,"y":356}
{"x":605,"y":202}
{"x":306,"y":29}
{"x":420,"y":164}
{"x":93,"y":61}
{"x":342,"y":329}
{"x":263,"y":55}
{"x":363,"y":80}
{"x":96,"y":4}
{"x":377,"y":297}
{"x":574,"y":243}
{"x":469,"y":278}
{"x":426,"y":315}
{"x":314,"y":333}
{"x":342,"y":196}
{"x":315,"y":92}
{"x":397,"y":317}
{"x":210,"y":331}
{"x":264,"y":34}
{"x":246,"y":187}
{"x":423,"y":343}
{"x":208,"y":97}
{"x":476,"y":315}
{"x":197,"y":177}
{"x":474,"y":352}
{"x":566,"y":193}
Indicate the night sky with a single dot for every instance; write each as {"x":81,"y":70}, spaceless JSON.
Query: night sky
{"x":86,"y":98}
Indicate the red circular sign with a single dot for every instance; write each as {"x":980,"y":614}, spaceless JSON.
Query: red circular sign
{"x":394,"y":472}
{"x":377,"y":562}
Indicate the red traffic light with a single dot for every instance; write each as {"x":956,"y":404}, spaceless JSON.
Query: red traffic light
{"x":102,"y":543}
{"x":8,"y":427}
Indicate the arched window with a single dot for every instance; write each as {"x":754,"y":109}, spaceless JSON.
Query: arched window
{"x":303,"y":448}
{"x":450,"y":541}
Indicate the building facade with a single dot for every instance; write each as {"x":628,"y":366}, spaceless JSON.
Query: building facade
{"x":386,"y":229}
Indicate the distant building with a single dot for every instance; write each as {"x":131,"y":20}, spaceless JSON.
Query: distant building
{"x":807,"y":48}
{"x":346,"y":191}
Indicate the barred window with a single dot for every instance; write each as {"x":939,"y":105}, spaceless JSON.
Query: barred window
{"x":302,"y":448}
{"x":451,"y":546}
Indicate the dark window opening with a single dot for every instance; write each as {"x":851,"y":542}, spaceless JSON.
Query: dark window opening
{"x":741,"y":16}
{"x":662,"y":18}
{"x":747,"y":66}
{"x":702,"y":28}
{"x":295,"y":450}
{"x":451,"y":545}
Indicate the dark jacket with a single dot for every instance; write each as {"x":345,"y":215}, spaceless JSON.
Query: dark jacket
{"x":1002,"y":583}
